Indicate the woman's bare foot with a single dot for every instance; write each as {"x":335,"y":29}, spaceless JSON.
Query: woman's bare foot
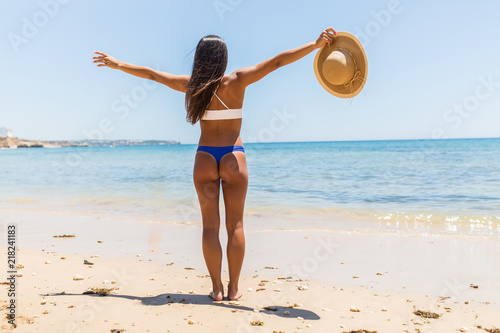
{"x":217,"y":294}
{"x":232,"y":293}
{"x":216,"y":297}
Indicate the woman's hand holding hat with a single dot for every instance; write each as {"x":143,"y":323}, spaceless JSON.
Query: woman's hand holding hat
{"x":326,"y":37}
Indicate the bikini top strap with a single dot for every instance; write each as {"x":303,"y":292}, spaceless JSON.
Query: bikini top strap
{"x":220,"y":100}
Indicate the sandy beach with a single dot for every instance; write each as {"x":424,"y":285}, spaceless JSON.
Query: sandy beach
{"x":353,"y":145}
{"x":291,"y":280}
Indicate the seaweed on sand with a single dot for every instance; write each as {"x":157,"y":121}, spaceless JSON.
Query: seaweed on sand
{"x":98,"y":291}
{"x":64,"y":236}
{"x":426,"y":314}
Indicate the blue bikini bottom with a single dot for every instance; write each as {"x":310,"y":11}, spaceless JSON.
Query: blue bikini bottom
{"x":219,"y":152}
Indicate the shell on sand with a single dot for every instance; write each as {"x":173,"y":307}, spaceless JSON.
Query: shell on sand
{"x":77,"y":277}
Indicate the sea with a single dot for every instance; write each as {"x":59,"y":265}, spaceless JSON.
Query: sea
{"x":440,"y":187}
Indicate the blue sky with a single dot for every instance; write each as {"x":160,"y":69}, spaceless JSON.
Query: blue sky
{"x":434,"y":69}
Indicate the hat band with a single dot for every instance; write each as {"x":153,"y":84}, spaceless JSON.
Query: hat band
{"x":357,"y":77}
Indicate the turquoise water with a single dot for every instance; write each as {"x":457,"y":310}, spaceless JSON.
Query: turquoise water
{"x":418,"y":185}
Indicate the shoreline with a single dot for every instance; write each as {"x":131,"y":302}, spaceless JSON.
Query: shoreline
{"x":339,"y":223}
{"x":419,"y":269}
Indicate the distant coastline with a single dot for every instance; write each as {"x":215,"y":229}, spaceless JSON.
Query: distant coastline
{"x":15,"y":143}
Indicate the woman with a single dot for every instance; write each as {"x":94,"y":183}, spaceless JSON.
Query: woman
{"x":220,"y":158}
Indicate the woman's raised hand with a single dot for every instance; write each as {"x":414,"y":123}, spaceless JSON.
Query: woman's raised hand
{"x":326,"y":37}
{"x":105,"y":60}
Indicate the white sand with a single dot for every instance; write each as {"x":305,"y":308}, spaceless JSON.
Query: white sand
{"x":413,"y":273}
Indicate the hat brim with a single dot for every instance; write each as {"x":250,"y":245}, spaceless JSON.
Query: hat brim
{"x":350,"y":43}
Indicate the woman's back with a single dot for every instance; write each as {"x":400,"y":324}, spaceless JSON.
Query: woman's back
{"x":224,"y":132}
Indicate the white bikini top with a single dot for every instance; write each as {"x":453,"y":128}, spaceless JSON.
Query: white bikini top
{"x":222,"y":114}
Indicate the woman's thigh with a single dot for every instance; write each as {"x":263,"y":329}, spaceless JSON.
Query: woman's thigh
{"x":207,"y":184}
{"x":234,"y":174}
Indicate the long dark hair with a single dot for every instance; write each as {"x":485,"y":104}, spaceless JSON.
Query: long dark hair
{"x":209,"y":66}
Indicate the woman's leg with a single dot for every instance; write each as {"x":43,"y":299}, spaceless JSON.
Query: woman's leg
{"x":207,"y":183}
{"x":234,"y":175}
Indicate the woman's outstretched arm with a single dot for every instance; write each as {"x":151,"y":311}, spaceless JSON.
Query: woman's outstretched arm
{"x":176,"y":82}
{"x":249,"y":75}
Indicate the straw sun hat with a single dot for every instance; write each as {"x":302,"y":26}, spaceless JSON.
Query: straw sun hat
{"x":342,"y":67}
